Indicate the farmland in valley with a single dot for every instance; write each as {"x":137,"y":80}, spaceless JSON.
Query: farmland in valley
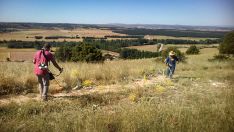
{"x":29,"y":34}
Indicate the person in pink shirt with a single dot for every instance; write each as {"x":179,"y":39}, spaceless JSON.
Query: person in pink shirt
{"x":41,"y":61}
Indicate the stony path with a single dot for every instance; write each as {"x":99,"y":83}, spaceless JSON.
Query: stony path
{"x":101,"y":89}
{"x":115,"y":88}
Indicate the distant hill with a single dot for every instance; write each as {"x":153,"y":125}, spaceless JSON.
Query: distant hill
{"x":129,"y":29}
{"x":113,"y":25}
{"x":176,"y":27}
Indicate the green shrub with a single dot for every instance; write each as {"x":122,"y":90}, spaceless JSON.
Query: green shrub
{"x":192,"y":50}
{"x":86,"y":52}
{"x":220,"y":57}
{"x":80,"y":52}
{"x":38,"y":37}
{"x":64,"y":53}
{"x":127,"y":53}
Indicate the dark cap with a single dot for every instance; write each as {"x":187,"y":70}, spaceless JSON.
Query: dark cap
{"x":46,"y":46}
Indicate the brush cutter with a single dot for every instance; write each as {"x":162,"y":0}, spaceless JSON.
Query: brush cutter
{"x":52,"y":76}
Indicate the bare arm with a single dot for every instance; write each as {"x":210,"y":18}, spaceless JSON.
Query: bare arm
{"x":34,"y":59}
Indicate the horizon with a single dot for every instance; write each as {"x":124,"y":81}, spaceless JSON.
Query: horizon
{"x":215,"y":13}
{"x":221,"y":26}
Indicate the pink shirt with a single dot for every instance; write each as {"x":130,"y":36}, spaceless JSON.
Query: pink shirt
{"x":38,"y":59}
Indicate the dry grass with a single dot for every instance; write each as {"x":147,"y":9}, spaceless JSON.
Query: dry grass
{"x":3,"y":56}
{"x":104,"y":52}
{"x":199,"y":98}
{"x":152,"y":48}
{"x":108,"y":73}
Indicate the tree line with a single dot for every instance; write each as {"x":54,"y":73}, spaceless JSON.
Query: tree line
{"x":90,"y":49}
{"x":127,"y":53}
{"x":112,"y":45}
{"x":172,"y":32}
{"x":127,"y":36}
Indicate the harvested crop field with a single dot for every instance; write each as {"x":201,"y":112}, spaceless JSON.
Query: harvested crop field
{"x":170,"y":37}
{"x":21,"y":56}
{"x":16,"y":54}
{"x":181,"y":47}
{"x":29,"y":35}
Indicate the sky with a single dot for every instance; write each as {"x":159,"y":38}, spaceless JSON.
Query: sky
{"x":168,"y":12}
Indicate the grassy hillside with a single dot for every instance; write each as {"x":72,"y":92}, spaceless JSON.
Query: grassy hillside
{"x":124,"y":95}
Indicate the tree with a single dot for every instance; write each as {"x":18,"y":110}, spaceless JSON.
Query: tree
{"x":127,"y":53}
{"x":192,"y":50}
{"x":80,"y":52}
{"x":227,"y":46}
{"x":64,"y":53}
{"x":38,"y":45}
{"x":86,"y":52}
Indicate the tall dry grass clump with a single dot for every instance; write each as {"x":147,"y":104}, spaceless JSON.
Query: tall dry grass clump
{"x":109,"y":72}
{"x":16,"y":78}
{"x":20,"y":75}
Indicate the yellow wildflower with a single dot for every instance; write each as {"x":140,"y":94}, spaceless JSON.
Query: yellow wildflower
{"x":87,"y":83}
{"x":159,"y":88}
{"x":132,"y":97}
{"x":74,"y":73}
{"x":169,"y":83}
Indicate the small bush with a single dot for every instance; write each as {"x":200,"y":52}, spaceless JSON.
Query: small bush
{"x":179,"y":54}
{"x":82,"y":52}
{"x":192,"y":50}
{"x":38,"y":37}
{"x":220,"y":57}
{"x":136,"y":54}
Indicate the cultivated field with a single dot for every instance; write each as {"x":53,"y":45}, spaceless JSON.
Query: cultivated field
{"x":28,"y":53}
{"x":17,"y":54}
{"x":123,"y":95}
{"x":29,"y":35}
{"x":171,"y":37}
{"x":181,"y":47}
{"x":152,"y":48}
